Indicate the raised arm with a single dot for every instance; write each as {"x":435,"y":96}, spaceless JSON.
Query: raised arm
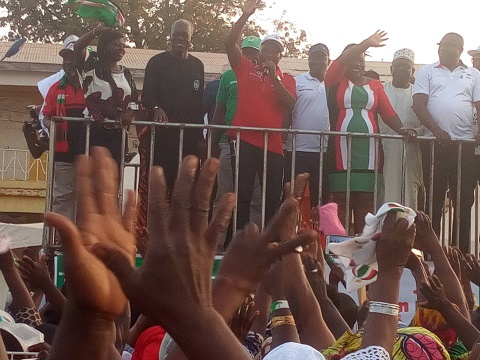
{"x":315,"y":272}
{"x":231,"y":42}
{"x":392,"y":252}
{"x":427,"y":241}
{"x":437,"y":300}
{"x":85,"y":40}
{"x":376,"y":40}
{"x":311,"y":326}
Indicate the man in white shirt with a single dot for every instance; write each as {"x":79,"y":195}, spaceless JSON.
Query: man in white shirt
{"x":399,"y":92}
{"x":443,"y":97}
{"x":310,"y":113}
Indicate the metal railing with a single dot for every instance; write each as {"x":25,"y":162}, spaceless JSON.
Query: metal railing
{"x":19,"y":165}
{"x":450,"y":214}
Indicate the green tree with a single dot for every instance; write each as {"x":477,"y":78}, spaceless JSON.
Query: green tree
{"x":147,"y":22}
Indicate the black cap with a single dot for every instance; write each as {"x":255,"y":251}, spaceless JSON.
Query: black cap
{"x":319,"y":47}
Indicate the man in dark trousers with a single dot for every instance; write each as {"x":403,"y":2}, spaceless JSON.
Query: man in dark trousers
{"x":265,"y":94}
{"x":173,"y":93}
{"x":173,"y":90}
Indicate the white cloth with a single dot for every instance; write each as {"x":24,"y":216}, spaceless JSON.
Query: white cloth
{"x":358,"y":254}
{"x":369,"y":353}
{"x":450,"y":97}
{"x":43,"y":86}
{"x":310,"y":113}
{"x":294,"y":351}
{"x":402,"y":102}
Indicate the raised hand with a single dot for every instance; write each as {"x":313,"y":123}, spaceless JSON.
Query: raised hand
{"x":99,"y":222}
{"x":435,"y":294}
{"x":35,"y":274}
{"x":243,"y":319}
{"x":396,"y":242}
{"x":377,"y":39}
{"x":473,"y":269}
{"x":250,"y":6}
{"x":425,"y":237}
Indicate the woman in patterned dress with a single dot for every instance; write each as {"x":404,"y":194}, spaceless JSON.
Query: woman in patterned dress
{"x":358,"y":99}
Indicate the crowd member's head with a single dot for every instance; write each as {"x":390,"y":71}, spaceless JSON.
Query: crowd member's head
{"x":68,"y":56}
{"x":449,"y":49}
{"x":318,"y":60}
{"x":271,"y":49}
{"x":475,"y":54}
{"x":181,"y":37}
{"x":251,"y":48}
{"x":372,"y":74}
{"x":402,"y":67}
{"x":356,"y":66}
{"x":111,"y":47}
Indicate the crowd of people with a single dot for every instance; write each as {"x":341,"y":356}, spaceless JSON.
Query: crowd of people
{"x":270,"y":298}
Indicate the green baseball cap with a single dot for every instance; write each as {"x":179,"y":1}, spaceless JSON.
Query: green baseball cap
{"x":251,"y":42}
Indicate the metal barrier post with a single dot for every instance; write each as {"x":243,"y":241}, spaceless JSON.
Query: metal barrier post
{"x":456,"y":240}
{"x":48,"y":232}
{"x":180,"y":145}
{"x":476,"y":222}
{"x":294,"y":161}
{"x":264,"y":177}
{"x":122,"y":167}
{"x":375,"y":171}
{"x":349,"y":173}
{"x":209,"y":143}
{"x":237,"y":167}
{"x":320,"y":172}
{"x":430,"y":188}
{"x":152,"y":146}
{"x":87,"y":137}
{"x":404,"y":172}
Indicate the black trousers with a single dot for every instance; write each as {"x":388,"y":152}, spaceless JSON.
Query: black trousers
{"x":309,"y":162}
{"x":445,"y":177}
{"x":251,"y":164}
{"x":108,"y":138}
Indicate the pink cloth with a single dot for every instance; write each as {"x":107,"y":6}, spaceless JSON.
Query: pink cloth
{"x":328,"y":221}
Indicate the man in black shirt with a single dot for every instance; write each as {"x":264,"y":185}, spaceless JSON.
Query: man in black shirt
{"x":173,"y":89}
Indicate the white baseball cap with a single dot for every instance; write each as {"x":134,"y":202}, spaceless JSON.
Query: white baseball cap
{"x":275,"y":38}
{"x":68,"y":44}
{"x":474,"y":53}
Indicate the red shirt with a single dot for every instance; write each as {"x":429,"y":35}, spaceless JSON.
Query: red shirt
{"x":74,"y":99}
{"x":258,"y":105}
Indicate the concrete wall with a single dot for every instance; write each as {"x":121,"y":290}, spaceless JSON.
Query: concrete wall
{"x":13,"y":112}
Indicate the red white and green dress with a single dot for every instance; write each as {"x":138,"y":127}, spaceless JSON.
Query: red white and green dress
{"x":357,"y":113}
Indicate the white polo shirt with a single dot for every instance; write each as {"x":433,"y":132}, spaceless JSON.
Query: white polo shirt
{"x":310,"y":113}
{"x":450,"y":97}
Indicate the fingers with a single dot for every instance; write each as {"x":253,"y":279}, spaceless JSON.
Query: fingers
{"x":86,"y":199}
{"x":117,"y":262}
{"x":221,"y":219}
{"x":289,"y":246}
{"x":181,"y":199}
{"x":157,"y":207}
{"x":106,"y":181}
{"x":202,"y":194}
{"x":283,"y":225}
{"x":299,"y":188}
{"x":71,"y":239}
{"x":130,"y":212}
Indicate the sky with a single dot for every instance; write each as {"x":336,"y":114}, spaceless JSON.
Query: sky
{"x":416,"y":24}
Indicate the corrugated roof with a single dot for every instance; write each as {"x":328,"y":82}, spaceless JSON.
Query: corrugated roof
{"x":136,"y":59}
